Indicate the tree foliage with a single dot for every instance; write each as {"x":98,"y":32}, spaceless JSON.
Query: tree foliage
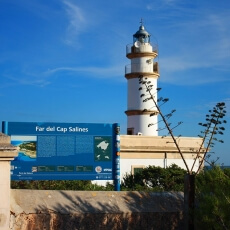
{"x":77,"y":185}
{"x":213,"y":199}
{"x":155,"y":178}
{"x":212,"y":130}
{"x":212,"y":191}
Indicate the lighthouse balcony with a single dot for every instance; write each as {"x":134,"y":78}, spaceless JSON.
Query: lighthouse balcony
{"x":134,"y":70}
{"x":145,"y":49}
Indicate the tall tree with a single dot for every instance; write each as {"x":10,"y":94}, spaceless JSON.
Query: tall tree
{"x":212,"y":128}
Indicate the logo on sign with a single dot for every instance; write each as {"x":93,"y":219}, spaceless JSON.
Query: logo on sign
{"x":98,"y":169}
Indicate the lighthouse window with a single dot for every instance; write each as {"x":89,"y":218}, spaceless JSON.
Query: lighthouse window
{"x":137,"y":168}
{"x":130,"y":131}
{"x":142,"y":39}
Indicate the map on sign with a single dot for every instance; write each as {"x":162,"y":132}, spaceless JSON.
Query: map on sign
{"x":102,"y":151}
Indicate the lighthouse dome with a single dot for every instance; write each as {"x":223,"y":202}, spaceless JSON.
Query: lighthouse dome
{"x":141,"y":35}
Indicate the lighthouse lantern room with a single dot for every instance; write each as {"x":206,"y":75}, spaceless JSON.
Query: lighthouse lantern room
{"x":142,"y":55}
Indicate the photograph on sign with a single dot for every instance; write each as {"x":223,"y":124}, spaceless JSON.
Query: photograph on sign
{"x":27,"y":147}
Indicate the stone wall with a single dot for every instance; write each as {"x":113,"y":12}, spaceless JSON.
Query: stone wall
{"x":86,"y":210}
{"x":7,"y":154}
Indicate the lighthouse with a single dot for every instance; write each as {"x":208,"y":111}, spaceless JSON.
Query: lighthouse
{"x":142,"y":54}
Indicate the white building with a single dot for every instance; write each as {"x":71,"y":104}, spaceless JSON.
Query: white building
{"x":141,"y":151}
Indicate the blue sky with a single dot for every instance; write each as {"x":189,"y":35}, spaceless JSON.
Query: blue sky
{"x":64,"y":61}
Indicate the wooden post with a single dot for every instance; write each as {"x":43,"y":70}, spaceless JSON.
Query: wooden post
{"x":189,"y":201}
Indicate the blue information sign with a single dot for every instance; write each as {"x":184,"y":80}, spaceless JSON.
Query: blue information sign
{"x":64,"y":151}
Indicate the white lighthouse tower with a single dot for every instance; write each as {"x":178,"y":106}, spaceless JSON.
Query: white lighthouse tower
{"x":142,"y":55}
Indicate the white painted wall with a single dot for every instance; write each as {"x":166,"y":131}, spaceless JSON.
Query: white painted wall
{"x":141,"y":122}
{"x":145,"y":47}
{"x":127,"y":164}
{"x":143,"y":64}
{"x":135,"y":102}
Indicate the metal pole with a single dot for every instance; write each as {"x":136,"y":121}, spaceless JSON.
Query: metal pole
{"x":117,"y":158}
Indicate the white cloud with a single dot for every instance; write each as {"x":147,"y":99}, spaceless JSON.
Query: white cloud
{"x":97,"y":72}
{"x":27,"y":79}
{"x":76,"y":16}
{"x":77,"y":22}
